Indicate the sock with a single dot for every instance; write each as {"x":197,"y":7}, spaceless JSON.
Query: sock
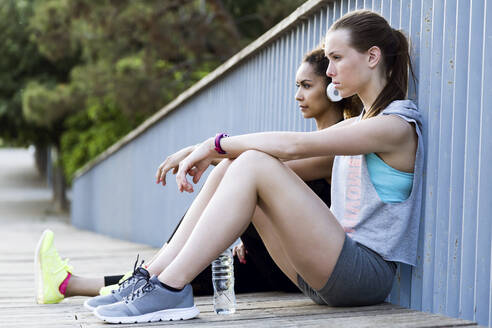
{"x":112,"y":280}
{"x":64,"y":284}
{"x":170,"y":288}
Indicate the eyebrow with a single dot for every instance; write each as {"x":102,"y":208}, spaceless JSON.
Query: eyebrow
{"x":304,"y":81}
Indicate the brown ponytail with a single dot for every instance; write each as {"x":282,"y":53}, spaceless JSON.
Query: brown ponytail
{"x":351,"y":106}
{"x":368,"y":29}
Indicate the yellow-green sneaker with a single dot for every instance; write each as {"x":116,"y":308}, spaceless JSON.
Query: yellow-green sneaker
{"x":50,"y":270}
{"x":106,"y":290}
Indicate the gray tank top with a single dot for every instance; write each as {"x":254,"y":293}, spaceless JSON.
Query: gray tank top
{"x":390,"y":229}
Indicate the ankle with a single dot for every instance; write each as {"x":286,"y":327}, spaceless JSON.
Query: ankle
{"x":152,"y":270}
{"x":172,"y":286}
{"x":83,"y":286}
{"x":173,"y":289}
{"x":64,"y":285}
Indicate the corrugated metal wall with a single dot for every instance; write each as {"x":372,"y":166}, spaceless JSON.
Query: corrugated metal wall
{"x":452,"y":56}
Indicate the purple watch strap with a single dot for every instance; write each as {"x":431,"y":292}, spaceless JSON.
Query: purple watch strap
{"x":218,"y":148}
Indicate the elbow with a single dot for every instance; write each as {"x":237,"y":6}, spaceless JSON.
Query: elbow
{"x":291,"y":154}
{"x":294,"y":150}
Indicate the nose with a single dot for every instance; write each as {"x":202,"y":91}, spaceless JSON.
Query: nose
{"x":330,"y":71}
{"x":299,"y":95}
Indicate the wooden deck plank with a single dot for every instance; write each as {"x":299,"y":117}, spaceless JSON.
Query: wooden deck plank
{"x":96,"y":255}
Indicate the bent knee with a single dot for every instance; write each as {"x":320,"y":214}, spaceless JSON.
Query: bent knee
{"x":255,"y":156}
{"x":254,"y":164}
{"x":224,"y":163}
{"x":219,"y":171}
{"x":255,"y":159}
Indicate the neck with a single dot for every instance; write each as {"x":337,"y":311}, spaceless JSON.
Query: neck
{"x":372,"y":90}
{"x":329,"y":118}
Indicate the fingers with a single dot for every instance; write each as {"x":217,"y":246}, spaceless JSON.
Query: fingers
{"x":158,"y":174}
{"x":240,"y":252}
{"x":194,"y":164}
{"x":242,"y":255}
{"x":192,"y":171}
{"x":162,"y":177}
{"x":197,"y":175}
{"x":182,"y":182}
{"x":161,"y":173}
{"x":181,"y":171}
{"x":163,"y":169}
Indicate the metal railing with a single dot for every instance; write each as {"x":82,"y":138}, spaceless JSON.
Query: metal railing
{"x":254,"y":91}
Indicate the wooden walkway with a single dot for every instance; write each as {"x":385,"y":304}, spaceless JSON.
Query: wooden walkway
{"x":24,"y":214}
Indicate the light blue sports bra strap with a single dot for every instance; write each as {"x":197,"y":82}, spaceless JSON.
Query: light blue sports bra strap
{"x":392,"y":185}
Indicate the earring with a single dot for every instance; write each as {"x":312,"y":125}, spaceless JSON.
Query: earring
{"x":333,"y":93}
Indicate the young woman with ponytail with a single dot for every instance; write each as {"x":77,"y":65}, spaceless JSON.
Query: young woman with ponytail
{"x":340,"y":256}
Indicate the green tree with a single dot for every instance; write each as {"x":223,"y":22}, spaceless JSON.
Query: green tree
{"x":20,"y":62}
{"x":167,"y":46}
{"x":80,"y":74}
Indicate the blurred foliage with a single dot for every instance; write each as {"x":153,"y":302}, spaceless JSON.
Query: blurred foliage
{"x":21,"y":63}
{"x":80,"y":74}
{"x":90,"y":132}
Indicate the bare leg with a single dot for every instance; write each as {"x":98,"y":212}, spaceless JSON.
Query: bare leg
{"x":80,"y":286}
{"x":174,"y":246}
{"x":156,"y":255}
{"x":258,"y":219}
{"x":307,"y":232}
{"x":83,"y":286}
{"x":272,"y":243}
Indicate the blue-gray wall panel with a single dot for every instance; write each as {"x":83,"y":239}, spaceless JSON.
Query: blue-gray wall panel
{"x":485,"y":187}
{"x":484,"y":206}
{"x":451,"y":46}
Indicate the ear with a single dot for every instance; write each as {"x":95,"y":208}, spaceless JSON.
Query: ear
{"x":374,"y":56}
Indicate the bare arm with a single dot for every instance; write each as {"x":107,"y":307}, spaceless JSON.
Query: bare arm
{"x":312,"y":168}
{"x":382,"y":134}
{"x":345,"y":122}
{"x":388,"y":135}
{"x":316,"y":167}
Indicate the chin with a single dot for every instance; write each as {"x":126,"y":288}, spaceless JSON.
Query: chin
{"x":346,"y":93}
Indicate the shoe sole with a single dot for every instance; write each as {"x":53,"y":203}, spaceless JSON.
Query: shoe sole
{"x":163,"y":315}
{"x":38,"y":273}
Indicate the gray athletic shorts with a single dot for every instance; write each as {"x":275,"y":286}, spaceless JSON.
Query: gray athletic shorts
{"x":360,"y":277}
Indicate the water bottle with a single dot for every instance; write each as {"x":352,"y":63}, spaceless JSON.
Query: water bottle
{"x":223,"y":282}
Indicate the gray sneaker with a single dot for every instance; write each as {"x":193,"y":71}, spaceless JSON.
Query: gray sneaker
{"x":152,"y":302}
{"x":139,"y":278}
